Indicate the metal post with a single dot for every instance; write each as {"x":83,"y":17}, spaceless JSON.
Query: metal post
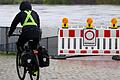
{"x":6,"y":40}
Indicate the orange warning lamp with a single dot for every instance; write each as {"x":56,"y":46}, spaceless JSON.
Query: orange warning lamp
{"x":65,"y":23}
{"x":65,"y":20}
{"x":89,"y":23}
{"x":114,"y":22}
{"x":89,"y":20}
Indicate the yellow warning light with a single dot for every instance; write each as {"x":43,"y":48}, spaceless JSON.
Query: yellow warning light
{"x":65,"y":23}
{"x":114,"y":22}
{"x":89,"y":23}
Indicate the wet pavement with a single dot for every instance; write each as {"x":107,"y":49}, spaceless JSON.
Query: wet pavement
{"x":80,"y":68}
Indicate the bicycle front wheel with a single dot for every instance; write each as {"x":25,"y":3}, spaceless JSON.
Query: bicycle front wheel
{"x":21,"y":71}
{"x":34,"y":73}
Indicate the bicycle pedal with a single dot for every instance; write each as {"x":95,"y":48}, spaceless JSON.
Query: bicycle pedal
{"x":34,"y":74}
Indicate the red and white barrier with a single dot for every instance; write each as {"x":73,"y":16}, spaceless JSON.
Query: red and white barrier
{"x":89,"y":41}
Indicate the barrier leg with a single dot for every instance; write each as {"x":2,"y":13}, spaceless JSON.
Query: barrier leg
{"x":59,"y":57}
{"x":116,"y":57}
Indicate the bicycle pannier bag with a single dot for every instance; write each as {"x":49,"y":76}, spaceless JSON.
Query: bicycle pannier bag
{"x":43,"y":57}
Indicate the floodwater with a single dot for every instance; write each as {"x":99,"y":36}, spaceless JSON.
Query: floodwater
{"x":51,"y":15}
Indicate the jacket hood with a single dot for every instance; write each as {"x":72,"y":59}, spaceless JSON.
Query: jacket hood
{"x":25,"y":5}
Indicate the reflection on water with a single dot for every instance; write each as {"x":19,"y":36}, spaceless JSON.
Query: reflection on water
{"x":51,"y":15}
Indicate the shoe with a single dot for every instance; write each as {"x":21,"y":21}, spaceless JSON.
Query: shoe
{"x":34,"y":73}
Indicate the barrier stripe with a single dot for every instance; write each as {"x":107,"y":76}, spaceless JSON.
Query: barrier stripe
{"x":71,"y":33}
{"x":74,"y":43}
{"x":110,"y":43}
{"x":63,"y":43}
{"x":104,"y":41}
{"x":107,"y":40}
{"x":77,"y":33}
{"x":77,"y":43}
{"x":106,"y":33}
{"x":97,"y":33}
{"x":71,"y":51}
{"x":112,"y":33}
{"x":83,"y":51}
{"x":61,"y":33}
{"x":65,"y":33}
{"x":60,"y":42}
{"x":107,"y":52}
{"x":117,"y":52}
{"x":90,"y":51}
{"x":95,"y":51}
{"x":80,"y":43}
{"x":70,"y":41}
{"x":101,"y":43}
{"x":98,"y":44}
{"x":116,"y":44}
{"x":81,"y":33}
{"x":61,"y":51}
{"x":113,"y":43}
{"x":117,"y":33}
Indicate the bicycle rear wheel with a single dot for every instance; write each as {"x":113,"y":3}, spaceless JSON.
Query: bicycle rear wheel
{"x":34,"y":72}
{"x":21,"y":71}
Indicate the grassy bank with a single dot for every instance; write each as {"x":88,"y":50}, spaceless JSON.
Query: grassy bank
{"x":19,"y":1}
{"x":10,"y":1}
{"x":63,"y":1}
{"x":81,"y":2}
{"x":108,"y":2}
{"x":9,"y":54}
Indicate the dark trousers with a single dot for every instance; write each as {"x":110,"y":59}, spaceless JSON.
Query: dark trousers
{"x":23,"y":39}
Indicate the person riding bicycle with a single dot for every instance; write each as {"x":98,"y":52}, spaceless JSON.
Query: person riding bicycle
{"x":30,"y":22}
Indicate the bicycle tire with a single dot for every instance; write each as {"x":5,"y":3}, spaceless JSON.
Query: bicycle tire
{"x":37,"y":67}
{"x":21,"y":77}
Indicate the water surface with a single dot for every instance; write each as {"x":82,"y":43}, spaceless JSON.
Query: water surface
{"x":51,"y":15}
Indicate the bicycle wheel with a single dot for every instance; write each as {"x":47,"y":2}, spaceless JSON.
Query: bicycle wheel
{"x":34,"y":72}
{"x":21,"y":71}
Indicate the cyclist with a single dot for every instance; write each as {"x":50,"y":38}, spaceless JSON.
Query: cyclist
{"x":30,"y":22}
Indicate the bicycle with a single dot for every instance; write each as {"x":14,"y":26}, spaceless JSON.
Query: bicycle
{"x":30,"y":64}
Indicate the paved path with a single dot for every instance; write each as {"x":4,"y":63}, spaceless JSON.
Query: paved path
{"x":84,"y":68}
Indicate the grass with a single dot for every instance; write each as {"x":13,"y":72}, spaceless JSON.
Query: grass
{"x":2,"y":53}
{"x":67,"y":2}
